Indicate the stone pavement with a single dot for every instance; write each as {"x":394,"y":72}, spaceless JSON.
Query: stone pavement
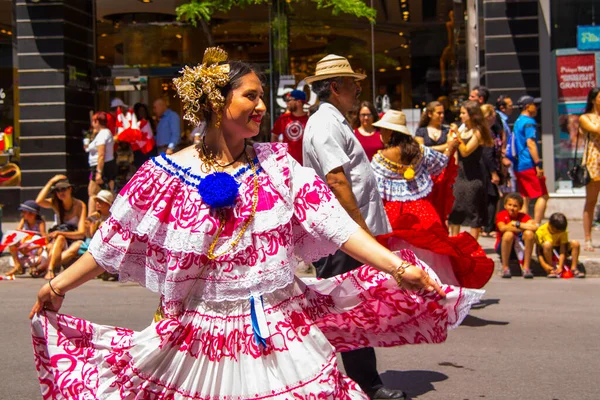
{"x":589,"y":260}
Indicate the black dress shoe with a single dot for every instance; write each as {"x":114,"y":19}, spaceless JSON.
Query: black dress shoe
{"x":388,"y":394}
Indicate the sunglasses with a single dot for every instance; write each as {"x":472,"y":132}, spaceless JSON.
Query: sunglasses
{"x":60,"y":190}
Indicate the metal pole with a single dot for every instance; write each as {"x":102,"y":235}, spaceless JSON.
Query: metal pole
{"x":271,"y":91}
{"x":472,"y":35}
{"x":548,"y":106}
{"x":372,"y":59}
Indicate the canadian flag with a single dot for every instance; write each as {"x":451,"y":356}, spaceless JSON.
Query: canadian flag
{"x":22,"y":238}
{"x":128,"y":129}
{"x":146,"y":143}
{"x":137,"y":133}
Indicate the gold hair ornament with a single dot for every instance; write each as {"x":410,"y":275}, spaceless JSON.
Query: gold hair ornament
{"x":198,"y":87}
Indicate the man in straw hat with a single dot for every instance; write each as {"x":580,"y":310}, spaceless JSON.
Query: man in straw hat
{"x":332,"y":150}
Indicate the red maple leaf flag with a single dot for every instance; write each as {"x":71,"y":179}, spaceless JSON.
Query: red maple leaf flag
{"x":12,"y":238}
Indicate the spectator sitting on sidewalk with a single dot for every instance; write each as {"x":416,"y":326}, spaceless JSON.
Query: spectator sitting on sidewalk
{"x":28,"y":254}
{"x":104,"y":200}
{"x":515,"y":230}
{"x":553,"y":236}
{"x":65,"y":237}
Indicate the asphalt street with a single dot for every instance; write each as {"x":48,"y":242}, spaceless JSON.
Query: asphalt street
{"x":527,"y":340}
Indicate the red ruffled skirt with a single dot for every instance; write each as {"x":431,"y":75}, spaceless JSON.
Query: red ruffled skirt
{"x":457,"y":260}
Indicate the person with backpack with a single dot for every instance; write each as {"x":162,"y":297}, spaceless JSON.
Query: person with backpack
{"x":527,"y":164}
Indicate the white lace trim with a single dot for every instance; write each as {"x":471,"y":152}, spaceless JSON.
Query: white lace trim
{"x":468,"y":297}
{"x":311,"y":247}
{"x":151,"y":273}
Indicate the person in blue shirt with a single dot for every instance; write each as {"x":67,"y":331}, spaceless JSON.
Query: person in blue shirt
{"x":168,"y":130}
{"x":531,"y":182}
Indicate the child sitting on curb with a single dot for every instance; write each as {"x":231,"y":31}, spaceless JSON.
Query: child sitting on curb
{"x":29,"y":254}
{"x":553,"y":236}
{"x":515,"y":230}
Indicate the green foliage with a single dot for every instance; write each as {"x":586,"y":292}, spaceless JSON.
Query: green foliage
{"x":357,"y":8}
{"x":198,"y":10}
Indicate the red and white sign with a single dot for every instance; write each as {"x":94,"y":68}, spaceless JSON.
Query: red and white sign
{"x":576,"y":76}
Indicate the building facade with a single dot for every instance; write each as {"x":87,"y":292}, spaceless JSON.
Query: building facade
{"x":65,"y":58}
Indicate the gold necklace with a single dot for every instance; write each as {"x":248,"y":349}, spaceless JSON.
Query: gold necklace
{"x":210,"y":160}
{"x":407,"y":171}
{"x":211,"y":250}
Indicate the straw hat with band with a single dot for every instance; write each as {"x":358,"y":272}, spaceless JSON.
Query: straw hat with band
{"x":394,"y":121}
{"x":333,"y":66}
{"x":105,"y":196}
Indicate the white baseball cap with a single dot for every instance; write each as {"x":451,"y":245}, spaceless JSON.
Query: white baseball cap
{"x":117,"y":102}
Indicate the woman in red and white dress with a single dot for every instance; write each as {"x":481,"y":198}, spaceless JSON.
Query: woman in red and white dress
{"x":215,"y":229}
{"x":406,"y":175}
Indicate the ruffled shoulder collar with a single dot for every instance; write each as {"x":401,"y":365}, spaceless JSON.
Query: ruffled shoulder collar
{"x":394,"y":187}
{"x":274,"y":160}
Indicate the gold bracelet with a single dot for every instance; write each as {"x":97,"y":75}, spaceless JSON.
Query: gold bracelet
{"x":399,"y":271}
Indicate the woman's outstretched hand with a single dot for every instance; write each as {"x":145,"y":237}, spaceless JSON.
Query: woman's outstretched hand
{"x":46,"y":300}
{"x":414,"y":278}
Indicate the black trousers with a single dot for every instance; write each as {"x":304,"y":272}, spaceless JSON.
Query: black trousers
{"x":492,"y":206}
{"x":361,"y":364}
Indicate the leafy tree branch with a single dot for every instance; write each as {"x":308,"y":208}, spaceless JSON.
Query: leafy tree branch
{"x":198,"y":11}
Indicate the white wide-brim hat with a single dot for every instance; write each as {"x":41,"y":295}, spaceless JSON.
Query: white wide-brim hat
{"x":333,"y":66}
{"x":105,"y":196}
{"x":393,"y":120}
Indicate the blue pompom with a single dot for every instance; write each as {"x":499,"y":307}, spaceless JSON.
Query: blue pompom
{"x":219,"y":189}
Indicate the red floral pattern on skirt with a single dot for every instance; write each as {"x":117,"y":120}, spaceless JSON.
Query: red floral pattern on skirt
{"x":209,"y":351}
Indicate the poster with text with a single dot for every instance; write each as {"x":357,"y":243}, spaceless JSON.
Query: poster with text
{"x":576,"y":76}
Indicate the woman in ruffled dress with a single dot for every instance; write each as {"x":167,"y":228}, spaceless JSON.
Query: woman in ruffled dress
{"x":405,"y":172}
{"x":214,"y":229}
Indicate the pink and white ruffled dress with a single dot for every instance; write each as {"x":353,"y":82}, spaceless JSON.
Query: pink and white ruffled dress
{"x":241,"y":326}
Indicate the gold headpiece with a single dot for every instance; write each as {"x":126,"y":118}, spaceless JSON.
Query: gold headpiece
{"x":198,"y":86}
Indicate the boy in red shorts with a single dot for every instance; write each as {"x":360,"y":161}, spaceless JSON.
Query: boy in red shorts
{"x":513,"y":227}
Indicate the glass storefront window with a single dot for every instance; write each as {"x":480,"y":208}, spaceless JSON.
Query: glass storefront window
{"x":412,"y":55}
{"x":576,"y":73}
